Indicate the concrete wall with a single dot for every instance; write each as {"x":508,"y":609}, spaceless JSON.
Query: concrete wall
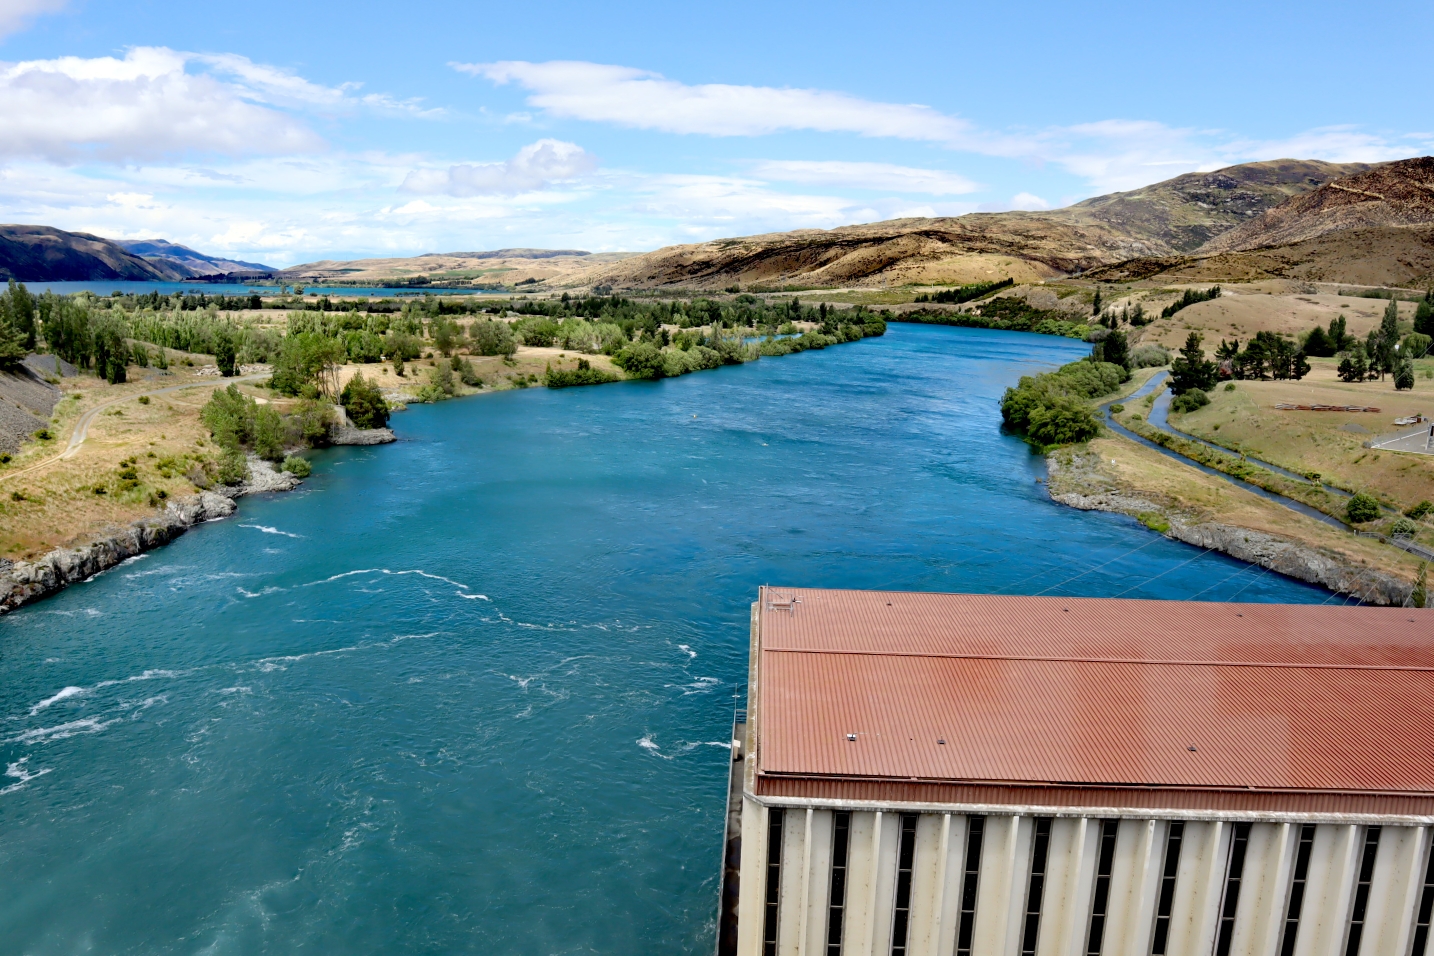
{"x":1136,"y":873}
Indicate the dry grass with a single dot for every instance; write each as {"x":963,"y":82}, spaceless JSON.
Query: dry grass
{"x":1125,"y":465}
{"x":1304,"y":442}
{"x":1242,"y":312}
{"x":57,"y":503}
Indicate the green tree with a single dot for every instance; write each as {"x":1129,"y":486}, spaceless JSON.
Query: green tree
{"x":1403,"y":374}
{"x":1191,"y":369}
{"x":1115,"y":349}
{"x":1319,"y":343}
{"x":224,"y":352}
{"x":17,"y":309}
{"x":268,"y":440}
{"x":1361,"y":508}
{"x":1354,"y":367}
{"x":1095,"y":304}
{"x":642,"y":360}
{"x":445,"y":333}
{"x":1424,"y":315}
{"x":364,"y":403}
{"x":12,"y":343}
{"x":492,"y":338}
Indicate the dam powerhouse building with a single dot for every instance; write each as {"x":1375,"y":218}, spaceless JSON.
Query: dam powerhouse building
{"x":968,"y":775}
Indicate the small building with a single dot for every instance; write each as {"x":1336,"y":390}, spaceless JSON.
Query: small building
{"x":985,"y":775}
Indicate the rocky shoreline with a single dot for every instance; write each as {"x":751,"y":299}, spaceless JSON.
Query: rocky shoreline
{"x":1286,"y":556}
{"x":23,"y":582}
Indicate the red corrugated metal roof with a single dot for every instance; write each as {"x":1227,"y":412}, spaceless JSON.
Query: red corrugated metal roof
{"x":1095,"y":692}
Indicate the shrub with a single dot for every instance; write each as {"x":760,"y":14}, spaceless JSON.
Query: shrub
{"x":144,"y":399}
{"x":1404,"y":526}
{"x":364,"y":403}
{"x":1117,"y":409}
{"x":1361,"y":508}
{"x":439,"y":385}
{"x":584,"y":374}
{"x":467,"y":374}
{"x":233,"y":468}
{"x":1036,"y":399}
{"x":643,"y":360}
{"x":297,"y":466}
{"x":1420,"y":510}
{"x":43,"y":434}
{"x":1149,"y":355}
{"x":1189,"y":401}
{"x":1229,"y":386}
{"x":1064,"y":421}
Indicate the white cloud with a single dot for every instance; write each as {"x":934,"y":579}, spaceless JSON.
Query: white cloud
{"x":874,"y":176}
{"x":157,"y":102}
{"x":1028,"y":201}
{"x":644,"y":100}
{"x":15,"y":15}
{"x":535,"y":166}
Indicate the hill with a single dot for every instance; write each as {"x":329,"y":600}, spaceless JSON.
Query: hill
{"x":1165,"y":219}
{"x":186,"y":261}
{"x":45,"y":254}
{"x":455,"y":269}
{"x":1389,"y":195}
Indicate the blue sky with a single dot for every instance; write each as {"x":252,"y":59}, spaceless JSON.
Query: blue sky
{"x":291,"y":132}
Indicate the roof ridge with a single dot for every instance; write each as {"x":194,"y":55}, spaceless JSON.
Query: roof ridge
{"x":1097,"y":660}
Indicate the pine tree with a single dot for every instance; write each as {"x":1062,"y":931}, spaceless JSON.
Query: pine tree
{"x":1191,"y":370}
{"x":1095,"y":306}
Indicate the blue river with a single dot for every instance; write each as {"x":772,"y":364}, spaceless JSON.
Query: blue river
{"x":472,"y":692}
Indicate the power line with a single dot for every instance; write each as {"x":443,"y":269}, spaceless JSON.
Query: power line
{"x":1165,"y":572}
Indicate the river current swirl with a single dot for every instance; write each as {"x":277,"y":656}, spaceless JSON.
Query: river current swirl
{"x":472,"y":692}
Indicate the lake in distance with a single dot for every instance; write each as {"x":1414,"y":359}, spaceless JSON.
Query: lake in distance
{"x":472,"y":692}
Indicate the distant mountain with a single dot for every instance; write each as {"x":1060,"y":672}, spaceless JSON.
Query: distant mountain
{"x":186,"y":261}
{"x":1398,"y":194}
{"x":508,"y":254}
{"x":1165,"y":219}
{"x":45,"y":254}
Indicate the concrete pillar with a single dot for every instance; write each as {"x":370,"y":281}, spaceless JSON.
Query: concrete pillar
{"x":790,"y":912}
{"x":931,"y":878}
{"x":860,"y":884}
{"x":1333,"y":859}
{"x":1005,"y":875}
{"x":886,"y":847}
{"x":1198,"y":885}
{"x":1070,"y":873}
{"x":1264,"y":889}
{"x":1134,"y":884}
{"x":819,"y":885}
{"x":754,"y":878}
{"x":1394,"y":893}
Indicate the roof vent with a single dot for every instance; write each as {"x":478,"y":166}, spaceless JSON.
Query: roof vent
{"x":851,"y":736}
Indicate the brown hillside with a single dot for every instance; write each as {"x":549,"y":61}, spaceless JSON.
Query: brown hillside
{"x":1159,"y":220}
{"x":1392,"y":194}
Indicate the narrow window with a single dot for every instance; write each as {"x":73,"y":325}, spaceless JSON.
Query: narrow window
{"x":1238,"y":844}
{"x":1297,"y":889}
{"x":1361,"y":891}
{"x":774,"y":882}
{"x":975,"y":829}
{"x":1166,"y":902}
{"x":904,"y":859}
{"x":1100,"y":894}
{"x":836,"y":904}
{"x":1426,"y":909}
{"x":1040,"y":849}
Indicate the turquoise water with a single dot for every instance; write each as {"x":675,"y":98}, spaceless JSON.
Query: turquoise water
{"x":471,"y":692}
